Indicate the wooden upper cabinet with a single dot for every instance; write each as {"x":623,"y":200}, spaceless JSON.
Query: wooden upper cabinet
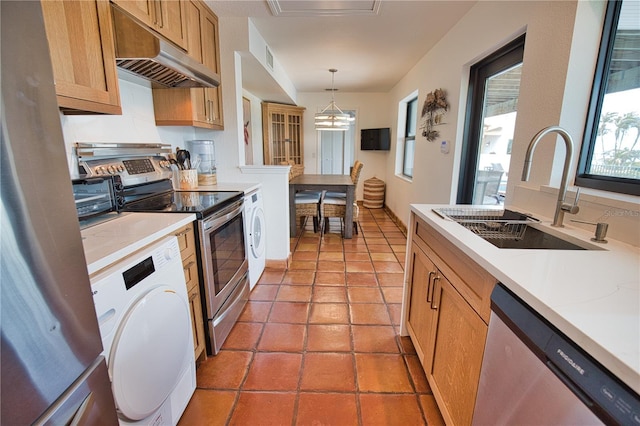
{"x":80,"y":39}
{"x":282,"y":133}
{"x":198,"y":107}
{"x":167,"y":17}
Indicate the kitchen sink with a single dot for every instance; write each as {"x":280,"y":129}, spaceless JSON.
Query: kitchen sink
{"x":508,"y":229}
{"x":534,"y":238}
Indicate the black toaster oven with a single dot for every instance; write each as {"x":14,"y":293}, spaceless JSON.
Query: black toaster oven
{"x":97,"y":196}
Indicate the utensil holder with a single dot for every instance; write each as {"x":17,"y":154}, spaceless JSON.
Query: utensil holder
{"x":188,"y":179}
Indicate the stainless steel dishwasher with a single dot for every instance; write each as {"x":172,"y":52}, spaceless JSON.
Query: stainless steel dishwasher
{"x":534,"y":375}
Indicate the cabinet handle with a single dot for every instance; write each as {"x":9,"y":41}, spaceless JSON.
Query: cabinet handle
{"x":429,"y":286}
{"x":433,"y":296}
{"x":188,"y":265}
{"x":159,"y":7}
{"x":192,"y":296}
{"x":184,"y":232}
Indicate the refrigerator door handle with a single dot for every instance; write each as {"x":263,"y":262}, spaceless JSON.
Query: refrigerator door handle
{"x":84,"y":411}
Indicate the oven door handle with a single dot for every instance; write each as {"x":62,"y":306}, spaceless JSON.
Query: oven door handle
{"x":223,"y":217}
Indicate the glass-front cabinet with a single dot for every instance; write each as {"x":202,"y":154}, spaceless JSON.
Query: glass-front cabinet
{"x":282,"y":134}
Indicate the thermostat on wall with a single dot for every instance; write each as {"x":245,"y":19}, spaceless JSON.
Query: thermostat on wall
{"x":444,"y":147}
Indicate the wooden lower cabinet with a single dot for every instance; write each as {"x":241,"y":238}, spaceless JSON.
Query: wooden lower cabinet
{"x":420,"y":312}
{"x":458,"y":336}
{"x":448,"y":331}
{"x":187,"y":243}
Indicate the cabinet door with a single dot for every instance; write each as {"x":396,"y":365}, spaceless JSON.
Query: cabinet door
{"x":422,"y":272}
{"x":171,"y":21}
{"x":197,"y":321}
{"x":164,"y":16}
{"x":198,"y":107}
{"x":142,"y":10}
{"x":80,"y":40}
{"x":458,"y":335}
{"x":187,"y":244}
{"x":294,"y":137}
{"x":210,"y":58}
{"x":275,"y":149}
{"x":195,"y":304}
{"x":282,"y":134}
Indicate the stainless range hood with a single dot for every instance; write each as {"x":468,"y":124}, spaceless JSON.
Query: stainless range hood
{"x":145,"y":54}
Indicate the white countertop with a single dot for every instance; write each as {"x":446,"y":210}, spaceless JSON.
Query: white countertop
{"x":593,"y":296}
{"x":111,"y":241}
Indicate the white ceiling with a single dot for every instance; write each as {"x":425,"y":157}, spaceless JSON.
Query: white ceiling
{"x":372,"y":43}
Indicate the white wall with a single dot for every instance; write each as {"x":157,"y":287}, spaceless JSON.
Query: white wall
{"x":255,"y":126}
{"x":135,"y":125}
{"x":371,"y":112}
{"x":234,"y":36}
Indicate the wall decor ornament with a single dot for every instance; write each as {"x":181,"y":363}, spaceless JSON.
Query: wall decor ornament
{"x":435,"y":105}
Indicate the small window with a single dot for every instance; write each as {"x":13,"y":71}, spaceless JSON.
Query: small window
{"x":410,"y":137}
{"x":610,"y":155}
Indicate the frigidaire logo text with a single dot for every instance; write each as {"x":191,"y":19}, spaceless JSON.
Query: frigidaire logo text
{"x":570,"y":361}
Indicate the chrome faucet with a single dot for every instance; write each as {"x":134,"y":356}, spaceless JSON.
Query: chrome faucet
{"x":561,"y":206}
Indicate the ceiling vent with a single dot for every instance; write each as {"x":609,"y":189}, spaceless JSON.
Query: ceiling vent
{"x":312,"y":8}
{"x":269,"y":58}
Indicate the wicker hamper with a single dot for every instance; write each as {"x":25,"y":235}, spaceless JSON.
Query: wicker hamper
{"x":373,"y":193}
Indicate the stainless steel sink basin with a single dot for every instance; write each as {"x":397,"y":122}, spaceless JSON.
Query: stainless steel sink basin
{"x":507,"y":229}
{"x":534,"y":238}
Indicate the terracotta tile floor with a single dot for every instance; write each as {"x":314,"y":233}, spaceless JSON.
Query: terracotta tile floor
{"x":318,"y":344}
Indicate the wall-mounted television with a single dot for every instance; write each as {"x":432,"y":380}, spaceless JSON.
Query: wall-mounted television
{"x":375,"y":139}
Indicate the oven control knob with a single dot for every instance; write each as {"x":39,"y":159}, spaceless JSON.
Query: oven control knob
{"x":120,"y":168}
{"x":100,"y":170}
{"x":112,"y":170}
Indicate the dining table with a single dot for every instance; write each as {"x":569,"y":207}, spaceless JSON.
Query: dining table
{"x":332,"y":183}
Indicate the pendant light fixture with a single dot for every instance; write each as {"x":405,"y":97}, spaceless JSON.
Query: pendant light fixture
{"x":332,"y":117}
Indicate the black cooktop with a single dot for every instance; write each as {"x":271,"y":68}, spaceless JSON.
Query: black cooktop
{"x":203,"y":204}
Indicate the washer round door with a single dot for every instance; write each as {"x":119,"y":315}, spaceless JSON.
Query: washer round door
{"x":257,"y":242}
{"x":149,"y":352}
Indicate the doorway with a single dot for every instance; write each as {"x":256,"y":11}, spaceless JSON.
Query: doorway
{"x":494,"y":87}
{"x":337,"y":150}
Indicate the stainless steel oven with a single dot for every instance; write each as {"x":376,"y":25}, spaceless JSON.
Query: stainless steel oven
{"x":225,"y":271}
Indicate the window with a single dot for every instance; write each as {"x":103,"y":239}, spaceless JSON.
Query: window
{"x":410,"y":137}
{"x":494,"y":89}
{"x":610,"y":155}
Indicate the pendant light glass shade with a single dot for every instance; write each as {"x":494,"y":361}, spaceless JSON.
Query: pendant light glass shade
{"x":332,"y":117}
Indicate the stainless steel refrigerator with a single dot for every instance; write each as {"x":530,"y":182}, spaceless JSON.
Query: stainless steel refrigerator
{"x":52,"y":368}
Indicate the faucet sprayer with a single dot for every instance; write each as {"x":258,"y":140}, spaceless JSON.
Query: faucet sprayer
{"x":561,"y":206}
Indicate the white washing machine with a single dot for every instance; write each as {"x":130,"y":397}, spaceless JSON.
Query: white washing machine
{"x":143,"y":312}
{"x":254,"y":234}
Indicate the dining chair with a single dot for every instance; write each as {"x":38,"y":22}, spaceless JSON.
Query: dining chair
{"x":307,"y":202}
{"x":336,"y":205}
{"x":308,"y":205}
{"x":355,"y":176}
